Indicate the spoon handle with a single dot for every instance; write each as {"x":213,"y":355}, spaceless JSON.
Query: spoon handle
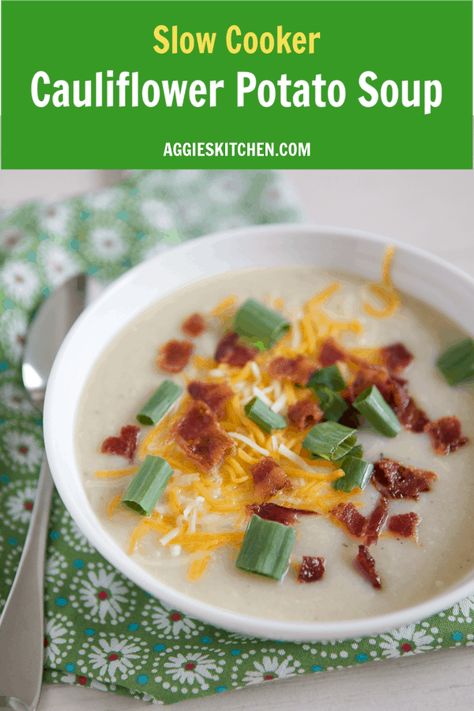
{"x":21,"y":623}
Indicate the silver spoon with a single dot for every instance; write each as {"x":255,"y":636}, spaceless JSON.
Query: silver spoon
{"x":22,"y":620}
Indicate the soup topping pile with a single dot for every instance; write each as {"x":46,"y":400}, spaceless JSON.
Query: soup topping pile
{"x":238,"y":447}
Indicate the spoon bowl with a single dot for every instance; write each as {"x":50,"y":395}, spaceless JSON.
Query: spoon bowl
{"x":47,"y":331}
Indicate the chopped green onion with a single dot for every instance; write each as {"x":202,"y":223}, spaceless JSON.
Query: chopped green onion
{"x":332,"y":404}
{"x":266,"y":548}
{"x":330,"y":376}
{"x":259,"y":324}
{"x":357,"y":451}
{"x":457,"y":363}
{"x":377,"y":411}
{"x":330,"y":440}
{"x":147,"y":485}
{"x":357,"y":473}
{"x":159,"y":403}
{"x":263,"y":416}
{"x":345,"y":448}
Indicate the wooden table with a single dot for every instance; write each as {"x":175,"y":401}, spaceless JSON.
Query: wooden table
{"x":434,"y":210}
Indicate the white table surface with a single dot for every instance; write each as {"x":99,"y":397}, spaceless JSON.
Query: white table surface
{"x":434,"y":210}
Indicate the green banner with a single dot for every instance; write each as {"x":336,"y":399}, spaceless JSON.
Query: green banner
{"x":133,"y":84}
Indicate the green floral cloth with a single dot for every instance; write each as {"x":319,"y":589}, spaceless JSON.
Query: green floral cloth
{"x":101,"y":630}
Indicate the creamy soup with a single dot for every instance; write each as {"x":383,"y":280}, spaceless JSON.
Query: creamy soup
{"x":173,"y":546}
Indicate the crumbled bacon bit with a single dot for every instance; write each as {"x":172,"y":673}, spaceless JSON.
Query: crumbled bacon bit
{"x":174,"y":356}
{"x":404,"y":525}
{"x":200,"y":437}
{"x":413,"y":418}
{"x":376,"y":521}
{"x":215,"y":395}
{"x":304,"y":413}
{"x":297,"y":370}
{"x":268,"y":478}
{"x":311,"y":569}
{"x":280,"y":514}
{"x":330,"y":353}
{"x":232,"y":351}
{"x":194,"y":325}
{"x":396,"y":481}
{"x":396,"y":357}
{"x":359,"y":526}
{"x":197,"y":419}
{"x":365,"y":564}
{"x":210,"y":450}
{"x":392,"y":389}
{"x":354,"y":521}
{"x":125,"y":445}
{"x":446,"y":435}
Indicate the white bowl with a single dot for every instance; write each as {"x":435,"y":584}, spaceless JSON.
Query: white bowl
{"x":428,"y":278}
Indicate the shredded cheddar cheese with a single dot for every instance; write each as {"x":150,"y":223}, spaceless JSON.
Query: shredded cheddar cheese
{"x":224,"y":306}
{"x":208,"y":541}
{"x":389,"y":298}
{"x":174,"y":501}
{"x":115,"y":473}
{"x":146,"y":446}
{"x":384,"y":291}
{"x":325,"y":294}
{"x":387,"y":266}
{"x":113,"y":504}
{"x":372,"y":355}
{"x":142,"y":529}
{"x":308,"y":333}
{"x":202,"y":363}
{"x":197,"y":567}
{"x":245,"y":457}
{"x":290,"y":393}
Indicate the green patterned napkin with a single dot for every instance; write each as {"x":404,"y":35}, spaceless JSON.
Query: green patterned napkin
{"x":101,"y":630}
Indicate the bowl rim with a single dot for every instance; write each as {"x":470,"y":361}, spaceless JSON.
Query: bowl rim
{"x":220,"y":617}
